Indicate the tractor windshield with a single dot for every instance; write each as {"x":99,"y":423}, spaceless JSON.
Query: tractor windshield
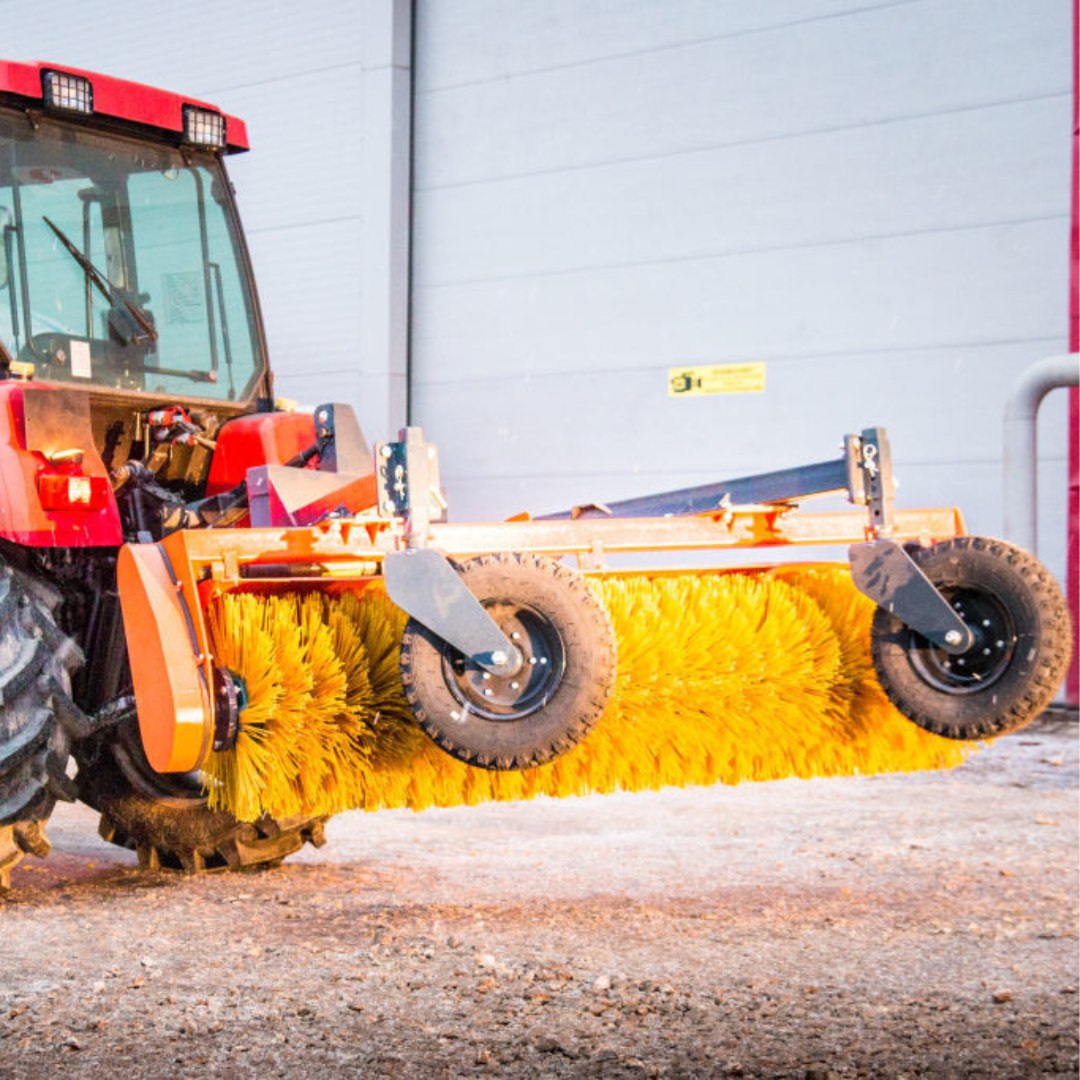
{"x":122,"y":267}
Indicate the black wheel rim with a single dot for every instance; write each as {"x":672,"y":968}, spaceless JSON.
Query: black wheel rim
{"x":513,"y":697}
{"x":985,"y":662}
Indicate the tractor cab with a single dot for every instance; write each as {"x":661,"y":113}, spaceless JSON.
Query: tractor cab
{"x":123,"y":270}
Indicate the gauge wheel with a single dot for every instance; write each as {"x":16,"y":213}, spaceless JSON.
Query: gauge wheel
{"x":38,"y":719}
{"x":165,"y":818}
{"x":1021,"y":651}
{"x":566,"y":646}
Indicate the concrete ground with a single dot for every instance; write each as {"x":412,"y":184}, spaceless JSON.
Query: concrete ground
{"x":906,"y":925}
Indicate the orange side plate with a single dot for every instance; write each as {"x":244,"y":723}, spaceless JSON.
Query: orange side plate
{"x":175,"y":715}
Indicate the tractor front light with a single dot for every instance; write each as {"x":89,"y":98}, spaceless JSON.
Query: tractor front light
{"x":203,"y":127}
{"x":72,"y":93}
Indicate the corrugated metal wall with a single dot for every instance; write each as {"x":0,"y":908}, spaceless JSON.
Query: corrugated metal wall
{"x":872,"y":198}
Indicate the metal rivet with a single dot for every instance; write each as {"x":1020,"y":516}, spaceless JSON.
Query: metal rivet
{"x":953,"y":637}
{"x":487,"y":691}
{"x":515,"y":636}
{"x":532,"y":660}
{"x":961,"y":661}
{"x":543,"y":659}
{"x":486,"y":676}
{"x":1000,"y":644}
{"x":515,"y":686}
{"x":986,"y":622}
{"x":986,"y":652}
{"x":385,"y":451}
{"x":498,"y":658}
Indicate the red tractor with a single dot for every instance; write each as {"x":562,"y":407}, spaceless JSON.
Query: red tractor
{"x":130,"y":335}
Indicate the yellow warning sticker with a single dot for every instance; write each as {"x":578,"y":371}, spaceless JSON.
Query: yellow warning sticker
{"x":718,"y":379}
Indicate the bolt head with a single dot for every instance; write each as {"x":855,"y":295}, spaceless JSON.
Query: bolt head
{"x":499,"y":658}
{"x":385,"y":451}
{"x":953,"y":637}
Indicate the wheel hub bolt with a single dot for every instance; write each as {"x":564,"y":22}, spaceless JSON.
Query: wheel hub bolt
{"x":499,"y":658}
{"x":515,"y":686}
{"x":953,"y":637}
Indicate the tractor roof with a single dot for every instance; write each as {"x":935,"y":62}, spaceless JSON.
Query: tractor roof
{"x":119,"y":100}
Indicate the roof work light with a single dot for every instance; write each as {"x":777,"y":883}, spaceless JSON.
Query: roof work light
{"x":72,"y":93}
{"x":203,"y":127}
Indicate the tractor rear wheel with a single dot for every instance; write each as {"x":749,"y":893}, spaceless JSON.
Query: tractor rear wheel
{"x":165,"y":819}
{"x":1021,"y":650}
{"x":36,"y":660}
{"x":566,"y":644}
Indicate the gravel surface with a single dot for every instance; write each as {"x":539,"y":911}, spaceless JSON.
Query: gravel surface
{"x":921,"y":925}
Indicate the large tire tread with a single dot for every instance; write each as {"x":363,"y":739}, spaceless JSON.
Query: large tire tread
{"x":170,"y":829}
{"x":36,"y":660}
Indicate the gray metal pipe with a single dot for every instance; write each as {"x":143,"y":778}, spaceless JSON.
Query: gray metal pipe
{"x":1020,"y":464}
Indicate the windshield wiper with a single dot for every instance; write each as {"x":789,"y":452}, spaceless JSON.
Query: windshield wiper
{"x":107,"y":289}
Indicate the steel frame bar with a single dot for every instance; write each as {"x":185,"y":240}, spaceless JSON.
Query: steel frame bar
{"x":355,"y":548}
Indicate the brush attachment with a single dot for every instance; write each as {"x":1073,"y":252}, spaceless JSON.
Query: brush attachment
{"x":723,"y":677}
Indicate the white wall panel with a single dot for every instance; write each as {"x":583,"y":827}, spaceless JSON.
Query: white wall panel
{"x":906,"y":176}
{"x":876,"y":64}
{"x":962,"y":287}
{"x":871,"y":198}
{"x":564,"y":33}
